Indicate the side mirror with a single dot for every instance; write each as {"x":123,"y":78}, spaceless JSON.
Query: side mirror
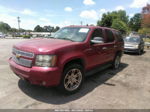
{"x":97,"y":40}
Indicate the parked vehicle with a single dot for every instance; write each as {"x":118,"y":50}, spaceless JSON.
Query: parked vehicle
{"x":134,"y":45}
{"x":2,"y":35}
{"x":64,"y":59}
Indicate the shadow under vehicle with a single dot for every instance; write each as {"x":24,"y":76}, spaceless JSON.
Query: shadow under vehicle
{"x":52,"y":96}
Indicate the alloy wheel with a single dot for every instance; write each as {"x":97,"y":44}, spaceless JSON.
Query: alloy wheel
{"x":73,"y":79}
{"x":117,"y":62}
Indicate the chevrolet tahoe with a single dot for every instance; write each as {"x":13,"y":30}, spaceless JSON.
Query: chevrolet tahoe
{"x":65,"y":58}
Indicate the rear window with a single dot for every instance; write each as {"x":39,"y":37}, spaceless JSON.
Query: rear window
{"x":132,"y":39}
{"x":110,"y":36}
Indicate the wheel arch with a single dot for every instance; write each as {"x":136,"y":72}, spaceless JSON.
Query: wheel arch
{"x":120,"y":53}
{"x":79,"y":61}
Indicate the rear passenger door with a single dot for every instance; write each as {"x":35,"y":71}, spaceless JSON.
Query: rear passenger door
{"x":110,"y":45}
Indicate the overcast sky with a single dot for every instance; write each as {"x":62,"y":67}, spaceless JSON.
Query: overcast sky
{"x":62,"y":12}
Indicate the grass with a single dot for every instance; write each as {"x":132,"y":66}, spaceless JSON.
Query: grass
{"x":146,"y":39}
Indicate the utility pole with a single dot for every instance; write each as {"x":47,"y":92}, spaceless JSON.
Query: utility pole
{"x":18,"y":23}
{"x":81,"y":23}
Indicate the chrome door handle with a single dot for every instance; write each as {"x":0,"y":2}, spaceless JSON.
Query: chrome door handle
{"x":104,"y":48}
{"x":115,"y":46}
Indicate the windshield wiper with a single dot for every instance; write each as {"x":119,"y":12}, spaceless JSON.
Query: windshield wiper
{"x":65,"y":39}
{"x":51,"y":37}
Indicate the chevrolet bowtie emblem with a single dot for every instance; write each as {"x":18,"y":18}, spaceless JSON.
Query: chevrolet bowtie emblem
{"x":18,"y":55}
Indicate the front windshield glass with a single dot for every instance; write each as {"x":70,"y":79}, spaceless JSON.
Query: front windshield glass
{"x":132,"y":39}
{"x":76,"y":34}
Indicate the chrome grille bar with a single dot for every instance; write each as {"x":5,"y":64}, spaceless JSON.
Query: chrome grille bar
{"x":22,"y":61}
{"x":23,"y":53}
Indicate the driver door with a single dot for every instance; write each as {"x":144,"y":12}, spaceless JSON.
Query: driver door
{"x":97,"y":53}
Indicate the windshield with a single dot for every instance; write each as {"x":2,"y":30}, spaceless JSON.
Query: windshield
{"x":132,"y":39}
{"x":77,"y":34}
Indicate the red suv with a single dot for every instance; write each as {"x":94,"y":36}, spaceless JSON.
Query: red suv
{"x":65,"y":58}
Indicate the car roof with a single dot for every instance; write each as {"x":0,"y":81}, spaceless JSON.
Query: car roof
{"x":91,"y":27}
{"x":132,"y":37}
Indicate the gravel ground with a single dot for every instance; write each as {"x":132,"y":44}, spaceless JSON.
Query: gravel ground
{"x":126,"y":88}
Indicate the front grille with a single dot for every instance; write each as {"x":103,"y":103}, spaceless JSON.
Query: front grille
{"x":23,"y":53}
{"x":20,"y":60}
{"x":129,"y":46}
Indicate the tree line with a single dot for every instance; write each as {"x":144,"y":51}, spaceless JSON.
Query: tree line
{"x":49,"y":28}
{"x":119,"y":20}
{"x":5,"y":28}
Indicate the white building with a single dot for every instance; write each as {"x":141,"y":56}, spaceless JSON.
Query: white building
{"x":40,"y":34}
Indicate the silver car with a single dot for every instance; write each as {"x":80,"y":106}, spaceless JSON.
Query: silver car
{"x":134,"y":45}
{"x":2,"y":35}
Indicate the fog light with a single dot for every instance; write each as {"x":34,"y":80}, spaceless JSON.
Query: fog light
{"x":43,"y":83}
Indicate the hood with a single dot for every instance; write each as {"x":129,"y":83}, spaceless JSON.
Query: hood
{"x":131,"y":43}
{"x":42,"y":45}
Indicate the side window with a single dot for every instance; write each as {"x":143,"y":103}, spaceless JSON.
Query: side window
{"x":119,"y":36}
{"x":110,"y":36}
{"x":97,"y":33}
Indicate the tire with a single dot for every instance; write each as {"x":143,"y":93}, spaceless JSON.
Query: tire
{"x":139,"y":52}
{"x":116,"y":62}
{"x":72,"y":79}
{"x":142,"y":51}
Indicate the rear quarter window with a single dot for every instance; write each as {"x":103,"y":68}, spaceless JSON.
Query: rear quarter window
{"x":109,"y":35}
{"x":119,"y":36}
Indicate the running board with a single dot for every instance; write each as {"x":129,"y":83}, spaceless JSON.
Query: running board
{"x":97,"y":69}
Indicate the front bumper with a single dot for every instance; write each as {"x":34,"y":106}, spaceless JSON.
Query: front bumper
{"x":45,"y":76}
{"x":131,"y":50}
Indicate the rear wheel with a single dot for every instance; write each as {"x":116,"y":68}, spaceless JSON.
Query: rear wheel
{"x":72,"y":79}
{"x":117,"y":61}
{"x":140,"y":52}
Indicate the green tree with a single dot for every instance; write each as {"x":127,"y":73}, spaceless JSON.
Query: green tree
{"x":135,"y":22}
{"x":144,"y":31}
{"x":14,"y":30}
{"x":120,"y":25}
{"x":56,"y":28}
{"x":38,"y":28}
{"x":122,"y":15}
{"x":48,"y":28}
{"x":52,"y":29}
{"x":4,"y":27}
{"x":108,"y":18}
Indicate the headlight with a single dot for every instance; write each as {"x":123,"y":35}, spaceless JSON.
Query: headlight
{"x":45,"y":60}
{"x":136,"y":46}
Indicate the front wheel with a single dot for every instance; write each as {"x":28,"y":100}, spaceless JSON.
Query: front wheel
{"x":116,"y":62}
{"x":72,"y":79}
